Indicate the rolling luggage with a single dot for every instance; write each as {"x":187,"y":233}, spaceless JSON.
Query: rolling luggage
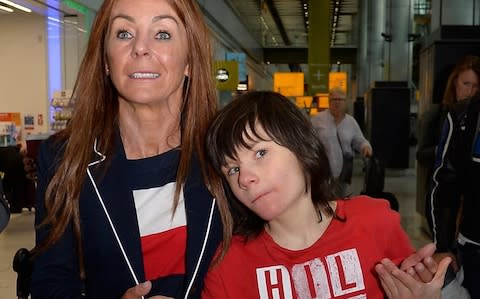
{"x":374,"y":181}
{"x":4,"y":209}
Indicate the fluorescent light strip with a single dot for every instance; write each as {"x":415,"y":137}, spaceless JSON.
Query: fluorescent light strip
{"x":6,"y":8}
{"x":17,"y":6}
{"x":55,"y":20}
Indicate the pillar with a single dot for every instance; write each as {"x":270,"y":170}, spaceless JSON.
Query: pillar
{"x":318,"y":46}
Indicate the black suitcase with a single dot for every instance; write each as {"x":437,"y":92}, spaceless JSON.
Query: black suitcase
{"x":4,"y":209}
{"x":374,"y":181}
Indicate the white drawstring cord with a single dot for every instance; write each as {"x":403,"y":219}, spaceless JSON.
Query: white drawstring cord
{"x":107,"y":214}
{"x":204,"y":245}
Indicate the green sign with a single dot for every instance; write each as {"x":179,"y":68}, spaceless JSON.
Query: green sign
{"x":318,"y":46}
{"x":226,"y":74}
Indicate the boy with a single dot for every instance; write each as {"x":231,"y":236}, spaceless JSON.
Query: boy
{"x":293,"y":237}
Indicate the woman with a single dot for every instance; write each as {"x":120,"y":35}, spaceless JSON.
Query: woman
{"x":462,"y":84}
{"x":341,"y":136}
{"x":121,"y":192}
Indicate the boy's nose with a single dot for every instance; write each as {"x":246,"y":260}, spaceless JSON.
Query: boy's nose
{"x":246,"y":178}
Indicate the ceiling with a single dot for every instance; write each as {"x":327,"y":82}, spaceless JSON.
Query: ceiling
{"x":280,"y":26}
{"x":284,"y":24}
{"x":42,"y":7}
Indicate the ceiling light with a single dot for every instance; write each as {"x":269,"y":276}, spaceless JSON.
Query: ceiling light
{"x":8,"y":9}
{"x":55,"y":20}
{"x":17,"y":6}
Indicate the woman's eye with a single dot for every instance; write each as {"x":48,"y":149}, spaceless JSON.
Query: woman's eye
{"x":124,"y":34}
{"x":260,"y":153}
{"x":233,"y":170}
{"x":163,"y":35}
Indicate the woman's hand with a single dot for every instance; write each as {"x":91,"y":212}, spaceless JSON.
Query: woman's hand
{"x":366,"y":150}
{"x":141,"y":290}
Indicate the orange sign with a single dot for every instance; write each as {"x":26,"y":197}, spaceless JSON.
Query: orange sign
{"x":304,"y":102}
{"x":338,"y":79}
{"x":322,"y":100}
{"x":12,"y":117}
{"x":289,"y":84}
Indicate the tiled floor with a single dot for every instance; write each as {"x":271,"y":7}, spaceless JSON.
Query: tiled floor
{"x":19,"y":232}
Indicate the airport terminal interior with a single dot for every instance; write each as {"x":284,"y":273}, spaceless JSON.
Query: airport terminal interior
{"x":392,"y":59}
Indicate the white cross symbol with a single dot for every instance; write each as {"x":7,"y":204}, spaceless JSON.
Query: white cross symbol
{"x":318,"y":75}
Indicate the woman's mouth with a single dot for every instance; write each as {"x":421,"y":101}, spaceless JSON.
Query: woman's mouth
{"x":144,"y":75}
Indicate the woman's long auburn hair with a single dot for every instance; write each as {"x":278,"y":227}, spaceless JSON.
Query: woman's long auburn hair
{"x":96,"y":118}
{"x":469,"y":62}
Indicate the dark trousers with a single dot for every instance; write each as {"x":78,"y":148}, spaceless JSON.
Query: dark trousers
{"x":469,"y":255}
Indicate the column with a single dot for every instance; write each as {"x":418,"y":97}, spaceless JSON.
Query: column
{"x":318,"y":46}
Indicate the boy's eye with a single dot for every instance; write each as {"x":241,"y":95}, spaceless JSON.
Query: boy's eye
{"x":260,"y":153}
{"x":163,"y":35}
{"x":233,"y":170}
{"x":123,"y":34}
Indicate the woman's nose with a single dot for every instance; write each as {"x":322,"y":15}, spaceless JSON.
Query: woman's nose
{"x":141,"y":47}
{"x":473,"y":90}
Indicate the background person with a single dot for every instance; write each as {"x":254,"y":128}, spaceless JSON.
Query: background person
{"x":462,"y":84}
{"x":341,"y":136}
{"x":290,"y":228}
{"x":455,"y":176}
{"x":122,"y":205}
{"x":14,"y":180}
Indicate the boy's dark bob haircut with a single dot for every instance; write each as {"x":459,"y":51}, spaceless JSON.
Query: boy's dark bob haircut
{"x":286,"y":125}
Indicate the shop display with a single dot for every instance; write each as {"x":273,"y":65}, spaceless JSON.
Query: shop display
{"x":8,"y":133}
{"x":62,"y":109}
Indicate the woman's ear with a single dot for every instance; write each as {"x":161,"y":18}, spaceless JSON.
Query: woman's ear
{"x":187,"y":70}
{"x":107,"y":70}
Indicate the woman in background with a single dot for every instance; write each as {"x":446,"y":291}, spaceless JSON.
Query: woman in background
{"x":462,"y":84}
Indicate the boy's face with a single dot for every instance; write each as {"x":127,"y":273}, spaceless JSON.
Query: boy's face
{"x":268,"y":179}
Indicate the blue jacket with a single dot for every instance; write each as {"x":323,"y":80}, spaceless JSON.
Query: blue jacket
{"x":56,"y":271}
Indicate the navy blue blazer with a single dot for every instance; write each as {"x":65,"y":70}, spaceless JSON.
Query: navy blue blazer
{"x":56,"y":271}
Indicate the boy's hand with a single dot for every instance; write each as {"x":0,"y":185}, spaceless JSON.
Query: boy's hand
{"x":398,"y":284}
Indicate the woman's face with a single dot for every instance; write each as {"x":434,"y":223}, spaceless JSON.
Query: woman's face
{"x":466,"y":85}
{"x":337,"y":104}
{"x":147,"y":51}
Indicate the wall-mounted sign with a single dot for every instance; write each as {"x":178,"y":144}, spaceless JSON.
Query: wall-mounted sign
{"x":338,"y":79}
{"x":11,"y":117}
{"x":242,"y":68}
{"x":289,"y":84}
{"x":222,"y":75}
{"x":318,"y":77}
{"x":226,"y":74}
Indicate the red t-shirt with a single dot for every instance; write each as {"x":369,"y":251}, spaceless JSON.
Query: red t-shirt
{"x":340,"y":264}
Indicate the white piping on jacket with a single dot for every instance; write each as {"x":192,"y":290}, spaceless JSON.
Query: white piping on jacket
{"x":447,"y":144}
{"x":204,"y":245}
{"x":125,"y":257}
{"x":99,"y":196}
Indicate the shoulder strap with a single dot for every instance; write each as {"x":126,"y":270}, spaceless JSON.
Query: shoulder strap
{"x":339,"y":141}
{"x":466,"y":114}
